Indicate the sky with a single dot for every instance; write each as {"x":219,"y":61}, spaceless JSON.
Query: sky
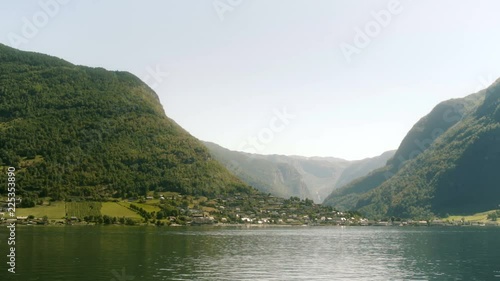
{"x":345,"y":79}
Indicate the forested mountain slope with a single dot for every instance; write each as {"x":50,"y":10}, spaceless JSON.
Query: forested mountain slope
{"x":448,"y":163}
{"x":79,"y":131}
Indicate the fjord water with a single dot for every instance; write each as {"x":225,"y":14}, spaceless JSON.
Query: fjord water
{"x":219,"y":253}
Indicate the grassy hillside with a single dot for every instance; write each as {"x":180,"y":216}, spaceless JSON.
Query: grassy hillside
{"x":79,"y":131}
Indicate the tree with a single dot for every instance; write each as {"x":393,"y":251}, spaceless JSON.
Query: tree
{"x":107,"y":219}
{"x":493,"y":216}
{"x":27,"y":202}
{"x":309,"y":202}
{"x":159,"y":215}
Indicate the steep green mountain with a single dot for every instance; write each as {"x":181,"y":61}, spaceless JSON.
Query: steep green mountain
{"x":419,"y":138}
{"x":448,"y":163}
{"x":286,"y":176}
{"x":79,"y":131}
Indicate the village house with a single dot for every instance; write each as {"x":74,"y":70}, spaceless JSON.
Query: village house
{"x":247,"y":219}
{"x":202,"y":218}
{"x":437,"y":222}
{"x":364,"y":222}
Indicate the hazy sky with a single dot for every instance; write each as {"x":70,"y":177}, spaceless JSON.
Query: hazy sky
{"x":304,"y":77}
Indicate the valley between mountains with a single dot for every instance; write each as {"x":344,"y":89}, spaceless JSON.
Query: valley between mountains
{"x":81,"y":134}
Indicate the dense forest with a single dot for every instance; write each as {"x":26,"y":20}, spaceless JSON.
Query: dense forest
{"x":88,"y":132}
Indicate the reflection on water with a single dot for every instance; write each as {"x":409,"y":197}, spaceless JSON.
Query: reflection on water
{"x":318,"y":253}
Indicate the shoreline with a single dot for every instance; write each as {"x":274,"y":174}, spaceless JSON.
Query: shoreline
{"x":222,"y":225}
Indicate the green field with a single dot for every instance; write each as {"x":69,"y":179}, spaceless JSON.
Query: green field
{"x":83,"y":209}
{"x":55,"y":211}
{"x":114,"y":209}
{"x":147,"y":207}
{"x":479,"y":217}
{"x":59,"y":210}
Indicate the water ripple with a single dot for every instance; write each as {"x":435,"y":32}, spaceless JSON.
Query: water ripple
{"x":323,"y":253}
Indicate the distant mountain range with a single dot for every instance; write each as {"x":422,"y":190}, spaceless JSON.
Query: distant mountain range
{"x":303,"y":177}
{"x":449,"y":163}
{"x":78,"y":131}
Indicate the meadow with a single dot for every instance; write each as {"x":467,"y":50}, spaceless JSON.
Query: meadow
{"x":115,"y":209}
{"x":56,"y":210}
{"x":83,"y":209}
{"x":59,"y":209}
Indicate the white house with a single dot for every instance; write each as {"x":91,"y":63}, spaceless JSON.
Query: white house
{"x":246,"y":219}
